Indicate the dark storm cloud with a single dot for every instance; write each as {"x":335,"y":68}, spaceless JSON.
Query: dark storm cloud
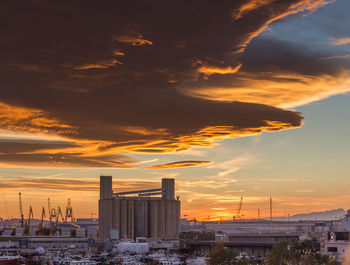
{"x":108,"y":73}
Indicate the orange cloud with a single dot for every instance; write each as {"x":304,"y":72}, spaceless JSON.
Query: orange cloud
{"x":210,"y":70}
{"x":103,"y":64}
{"x":297,"y":7}
{"x":285,"y":90}
{"x":72,"y":184}
{"x":135,"y":39}
{"x":19,"y":119}
{"x":187,"y":163}
{"x":249,"y":6}
{"x":340,"y":41}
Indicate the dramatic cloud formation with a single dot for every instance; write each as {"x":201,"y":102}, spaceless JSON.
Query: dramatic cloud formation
{"x":188,"y":163}
{"x":278,"y":74}
{"x":108,"y":77}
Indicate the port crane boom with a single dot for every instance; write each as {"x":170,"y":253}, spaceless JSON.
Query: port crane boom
{"x":239,"y":208}
{"x":21,"y":209}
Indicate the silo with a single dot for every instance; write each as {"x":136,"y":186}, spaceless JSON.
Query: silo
{"x":153,"y":212}
{"x":131,"y":219}
{"x":123,"y":218}
{"x":170,"y":219}
{"x":141,"y":218}
{"x":116,"y":216}
{"x":105,"y":218}
{"x":161,"y":219}
{"x":178,"y":214}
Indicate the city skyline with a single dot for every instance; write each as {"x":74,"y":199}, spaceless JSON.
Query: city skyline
{"x":242,"y":99}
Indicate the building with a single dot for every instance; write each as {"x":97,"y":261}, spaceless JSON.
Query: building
{"x":154,"y":213}
{"x":257,"y":245}
{"x":336,"y":243}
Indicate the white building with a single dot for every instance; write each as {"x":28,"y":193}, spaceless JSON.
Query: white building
{"x":337,"y":243}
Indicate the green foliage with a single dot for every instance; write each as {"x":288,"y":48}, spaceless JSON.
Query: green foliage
{"x":296,"y":253}
{"x":219,"y":255}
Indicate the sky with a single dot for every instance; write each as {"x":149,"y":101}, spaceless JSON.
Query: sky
{"x":233,"y":98}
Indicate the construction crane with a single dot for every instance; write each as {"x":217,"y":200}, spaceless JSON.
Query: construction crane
{"x":52,"y":214}
{"x":194,"y":220}
{"x":69,"y":211}
{"x":30,"y":217}
{"x":43,"y":215}
{"x":49,"y":209}
{"x":21,"y":209}
{"x":239,"y":209}
{"x":55,"y":214}
{"x":43,"y":231}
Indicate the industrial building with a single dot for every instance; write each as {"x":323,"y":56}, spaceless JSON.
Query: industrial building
{"x":153,"y":213}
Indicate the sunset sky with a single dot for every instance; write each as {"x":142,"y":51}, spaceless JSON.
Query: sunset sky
{"x":231,"y":98}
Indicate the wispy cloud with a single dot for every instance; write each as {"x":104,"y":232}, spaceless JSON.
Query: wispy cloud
{"x":179,"y":164}
{"x":232,"y":165}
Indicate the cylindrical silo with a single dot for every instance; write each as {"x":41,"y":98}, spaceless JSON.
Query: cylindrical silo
{"x":131,"y":219}
{"x":105,"y":218}
{"x":153,"y":210}
{"x":116,"y":216}
{"x":123,"y":219}
{"x":170,"y":219}
{"x":141,"y":218}
{"x":178,"y":214}
{"x":161,"y":219}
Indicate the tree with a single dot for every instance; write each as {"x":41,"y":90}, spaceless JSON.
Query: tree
{"x":296,"y":253}
{"x":219,"y":255}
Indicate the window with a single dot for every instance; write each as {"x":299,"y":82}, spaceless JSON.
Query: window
{"x":332,"y":249}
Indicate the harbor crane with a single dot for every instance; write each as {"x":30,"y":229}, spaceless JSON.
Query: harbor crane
{"x":21,"y":209}
{"x":30,"y":217}
{"x":69,"y":211}
{"x":49,"y":209}
{"x":43,"y":215}
{"x":239,"y":210}
{"x":43,"y":231}
{"x":55,"y":214}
